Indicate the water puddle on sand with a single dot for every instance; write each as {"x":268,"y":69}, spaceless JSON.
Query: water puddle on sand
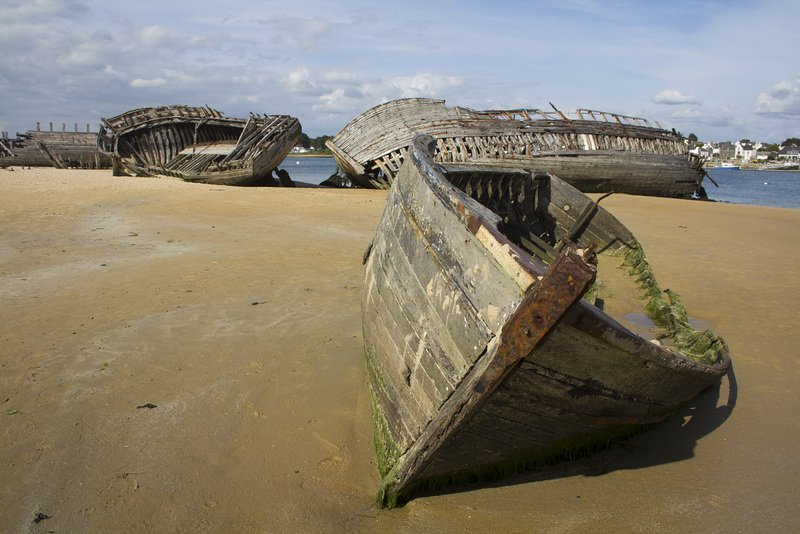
{"x":640,"y":319}
{"x":623,"y":300}
{"x":699,"y":324}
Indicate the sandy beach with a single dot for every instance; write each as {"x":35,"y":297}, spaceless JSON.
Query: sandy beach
{"x":184,"y":357}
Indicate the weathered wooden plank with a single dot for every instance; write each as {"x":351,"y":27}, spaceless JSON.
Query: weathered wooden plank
{"x":581,"y":401}
{"x":407,"y":302}
{"x":419,"y":312}
{"x":408,"y":414}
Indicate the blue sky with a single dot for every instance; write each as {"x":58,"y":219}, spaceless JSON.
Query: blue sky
{"x":723,"y":70}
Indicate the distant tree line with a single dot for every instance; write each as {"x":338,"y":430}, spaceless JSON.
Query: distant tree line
{"x":316,"y":143}
{"x":773,"y":147}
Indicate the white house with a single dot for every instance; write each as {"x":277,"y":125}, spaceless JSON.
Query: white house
{"x":705,"y":151}
{"x":746,"y":151}
{"x":790,"y":153}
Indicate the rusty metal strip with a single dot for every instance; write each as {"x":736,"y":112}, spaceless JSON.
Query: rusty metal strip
{"x":541,"y":309}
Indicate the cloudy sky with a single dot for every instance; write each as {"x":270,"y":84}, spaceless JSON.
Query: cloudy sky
{"x":724,"y":70}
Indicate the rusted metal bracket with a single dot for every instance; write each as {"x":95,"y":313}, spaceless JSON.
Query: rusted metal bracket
{"x":541,"y":309}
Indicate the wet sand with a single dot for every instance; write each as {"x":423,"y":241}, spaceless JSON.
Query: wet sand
{"x":183,"y":357}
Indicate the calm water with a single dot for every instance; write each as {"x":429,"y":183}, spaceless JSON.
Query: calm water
{"x":309,"y":170}
{"x":777,"y":189}
{"x":781,"y":190}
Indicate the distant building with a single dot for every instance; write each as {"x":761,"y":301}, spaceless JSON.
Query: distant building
{"x":746,"y":151}
{"x":706,"y":150}
{"x":726,"y":150}
{"x":790,"y":153}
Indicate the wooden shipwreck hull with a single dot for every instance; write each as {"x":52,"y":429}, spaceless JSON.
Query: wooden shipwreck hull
{"x":593,"y":151}
{"x":199,"y":144}
{"x":63,"y":150}
{"x":481,"y":355}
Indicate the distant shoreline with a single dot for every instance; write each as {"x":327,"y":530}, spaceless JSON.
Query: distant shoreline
{"x":309,"y":155}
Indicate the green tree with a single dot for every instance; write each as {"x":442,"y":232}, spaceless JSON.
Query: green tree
{"x":692,"y":138}
{"x":318,"y":143}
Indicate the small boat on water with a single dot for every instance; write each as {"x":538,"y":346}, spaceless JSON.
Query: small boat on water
{"x":491,"y":347}
{"x":593,"y":151}
{"x":727,"y":165}
{"x":199,"y":145}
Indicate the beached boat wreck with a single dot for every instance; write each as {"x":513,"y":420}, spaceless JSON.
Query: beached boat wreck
{"x":59,"y":149}
{"x":591,"y":150}
{"x":199,"y":144}
{"x":489,"y":345}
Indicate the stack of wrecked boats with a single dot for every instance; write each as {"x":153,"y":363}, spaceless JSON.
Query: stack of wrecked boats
{"x":591,"y":150}
{"x":488,"y":347}
{"x":199,"y":144}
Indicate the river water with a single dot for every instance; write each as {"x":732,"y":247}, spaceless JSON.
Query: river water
{"x":777,"y":189}
{"x":311,"y":170}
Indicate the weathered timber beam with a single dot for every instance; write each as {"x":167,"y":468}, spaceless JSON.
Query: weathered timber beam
{"x":581,"y":221}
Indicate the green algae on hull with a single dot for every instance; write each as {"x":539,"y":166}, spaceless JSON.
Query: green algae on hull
{"x":668,"y":313}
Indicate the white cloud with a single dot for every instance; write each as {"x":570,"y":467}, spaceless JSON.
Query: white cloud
{"x":783,"y":98}
{"x":426,"y":85}
{"x":300,"y":80}
{"x":325,"y":62}
{"x":155,"y":82}
{"x":299,"y":33}
{"x":671,"y":97}
{"x":716,"y":116}
{"x":24,"y":11}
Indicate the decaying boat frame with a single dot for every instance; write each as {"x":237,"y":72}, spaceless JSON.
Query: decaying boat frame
{"x":593,"y":151}
{"x":199,"y":144}
{"x":59,"y":149}
{"x":481,"y":354}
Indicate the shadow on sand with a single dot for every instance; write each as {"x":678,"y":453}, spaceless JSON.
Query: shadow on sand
{"x":671,"y":441}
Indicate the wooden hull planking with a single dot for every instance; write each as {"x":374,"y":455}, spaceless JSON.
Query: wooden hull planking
{"x":63,"y":150}
{"x":595,"y":152}
{"x":446,"y":294}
